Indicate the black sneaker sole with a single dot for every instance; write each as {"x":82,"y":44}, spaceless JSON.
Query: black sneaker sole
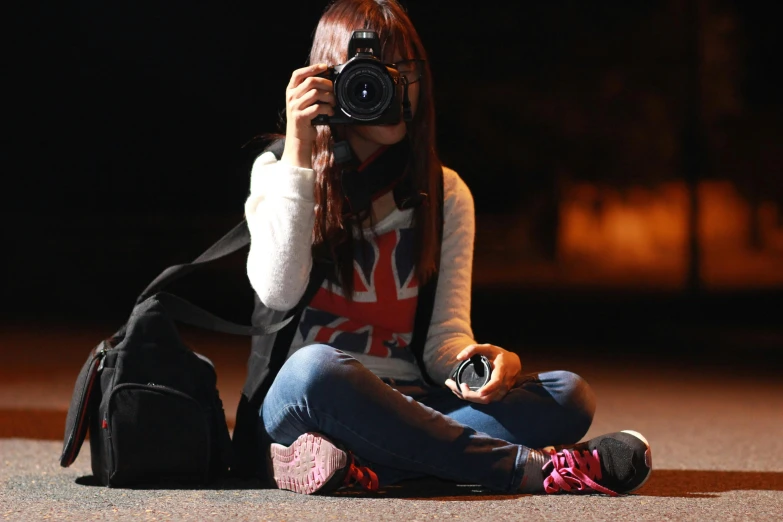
{"x":312,"y":464}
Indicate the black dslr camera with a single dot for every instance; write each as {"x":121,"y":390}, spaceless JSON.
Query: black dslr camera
{"x":367,"y":91}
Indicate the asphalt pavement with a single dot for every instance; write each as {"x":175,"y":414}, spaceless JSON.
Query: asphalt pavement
{"x":713,"y":420}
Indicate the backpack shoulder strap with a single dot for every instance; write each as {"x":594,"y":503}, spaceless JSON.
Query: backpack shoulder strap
{"x":234,"y":240}
{"x":182,"y":310}
{"x":185,"y":312}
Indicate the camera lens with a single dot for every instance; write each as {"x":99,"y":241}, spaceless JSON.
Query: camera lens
{"x":365,"y":90}
{"x":365,"y":93}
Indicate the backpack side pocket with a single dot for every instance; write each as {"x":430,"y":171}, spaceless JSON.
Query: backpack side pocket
{"x":86,"y":396}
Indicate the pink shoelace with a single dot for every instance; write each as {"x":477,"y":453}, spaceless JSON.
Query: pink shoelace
{"x":361,"y":475}
{"x":575,"y":472}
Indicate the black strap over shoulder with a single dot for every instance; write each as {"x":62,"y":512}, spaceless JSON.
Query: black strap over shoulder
{"x":186,"y":312}
{"x":276,"y":147}
{"x":234,"y":240}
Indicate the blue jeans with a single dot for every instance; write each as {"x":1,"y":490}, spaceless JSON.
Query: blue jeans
{"x":322,"y":389}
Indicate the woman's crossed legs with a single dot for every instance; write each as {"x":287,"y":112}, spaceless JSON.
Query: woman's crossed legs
{"x":321,"y":389}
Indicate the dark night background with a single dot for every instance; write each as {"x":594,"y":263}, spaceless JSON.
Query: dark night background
{"x":132,"y":124}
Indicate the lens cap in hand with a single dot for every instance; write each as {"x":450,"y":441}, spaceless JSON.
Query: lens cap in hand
{"x":474,"y":372}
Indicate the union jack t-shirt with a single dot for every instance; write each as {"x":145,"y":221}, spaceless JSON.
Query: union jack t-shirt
{"x":376,"y":326}
{"x":378,"y":321}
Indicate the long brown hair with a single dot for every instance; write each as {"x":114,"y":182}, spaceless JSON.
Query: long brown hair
{"x":330,"y":45}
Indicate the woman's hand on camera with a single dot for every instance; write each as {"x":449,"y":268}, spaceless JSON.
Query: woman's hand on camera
{"x":306,"y":96}
{"x":506,"y":369}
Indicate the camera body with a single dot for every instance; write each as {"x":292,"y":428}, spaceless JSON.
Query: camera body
{"x":367,"y":91}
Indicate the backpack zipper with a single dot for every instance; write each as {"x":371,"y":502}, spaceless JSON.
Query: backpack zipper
{"x":102,"y":356}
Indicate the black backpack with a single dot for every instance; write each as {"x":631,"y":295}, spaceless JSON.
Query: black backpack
{"x":150,"y":403}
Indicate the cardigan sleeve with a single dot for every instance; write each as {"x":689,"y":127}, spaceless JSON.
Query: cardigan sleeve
{"x":450,"y":329}
{"x":280,"y":213}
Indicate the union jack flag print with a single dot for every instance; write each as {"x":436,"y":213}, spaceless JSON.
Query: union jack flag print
{"x":379,"y":320}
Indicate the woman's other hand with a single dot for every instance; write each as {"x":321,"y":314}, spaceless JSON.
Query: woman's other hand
{"x":306,"y":96}
{"x":506,"y":370}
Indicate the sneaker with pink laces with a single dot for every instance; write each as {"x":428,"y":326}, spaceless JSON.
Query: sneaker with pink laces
{"x":313,"y":464}
{"x":612,"y":464}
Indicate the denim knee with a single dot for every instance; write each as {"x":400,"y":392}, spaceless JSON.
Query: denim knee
{"x":313,"y":369}
{"x":576,"y":397}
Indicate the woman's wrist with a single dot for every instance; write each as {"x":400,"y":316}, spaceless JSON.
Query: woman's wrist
{"x":298,"y":153}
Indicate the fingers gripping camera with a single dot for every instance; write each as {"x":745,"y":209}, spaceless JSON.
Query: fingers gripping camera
{"x":367,"y":91}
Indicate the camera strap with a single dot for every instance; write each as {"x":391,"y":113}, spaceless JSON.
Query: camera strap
{"x":383,"y":171}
